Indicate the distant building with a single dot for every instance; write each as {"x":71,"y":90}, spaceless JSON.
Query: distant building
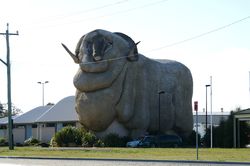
{"x":240,"y":116}
{"x":217,"y":117}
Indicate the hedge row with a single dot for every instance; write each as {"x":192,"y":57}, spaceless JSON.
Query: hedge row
{"x":77,"y":137}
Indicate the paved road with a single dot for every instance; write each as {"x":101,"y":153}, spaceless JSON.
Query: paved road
{"x":90,"y":162}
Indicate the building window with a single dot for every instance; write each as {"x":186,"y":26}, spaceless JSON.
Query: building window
{"x":3,"y":127}
{"x":69,"y":124}
{"x":50,"y":124}
{"x":19,"y":126}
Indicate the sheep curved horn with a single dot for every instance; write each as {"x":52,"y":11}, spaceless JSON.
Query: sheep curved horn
{"x":133,"y":53}
{"x":73,"y":56}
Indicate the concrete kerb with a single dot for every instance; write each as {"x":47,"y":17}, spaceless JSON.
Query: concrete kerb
{"x":130,"y":160}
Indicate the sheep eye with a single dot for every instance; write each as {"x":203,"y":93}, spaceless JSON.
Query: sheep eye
{"x":110,"y":43}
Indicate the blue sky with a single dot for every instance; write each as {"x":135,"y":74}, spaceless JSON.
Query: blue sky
{"x":36,"y":54}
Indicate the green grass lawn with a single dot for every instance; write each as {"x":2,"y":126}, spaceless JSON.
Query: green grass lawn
{"x":215,"y":154}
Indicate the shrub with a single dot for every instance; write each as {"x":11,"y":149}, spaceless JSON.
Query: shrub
{"x":88,"y":139}
{"x":190,"y":141}
{"x":19,"y":144}
{"x":68,"y":136}
{"x":2,"y":141}
{"x":114,"y":140}
{"x":99,"y":143}
{"x":53,"y":142}
{"x":44,"y":145}
{"x":31,"y":142}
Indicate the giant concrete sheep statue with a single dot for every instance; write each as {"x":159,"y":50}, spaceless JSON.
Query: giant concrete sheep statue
{"x":121,"y":91}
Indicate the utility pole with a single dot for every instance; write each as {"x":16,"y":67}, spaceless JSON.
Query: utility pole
{"x":7,"y":63}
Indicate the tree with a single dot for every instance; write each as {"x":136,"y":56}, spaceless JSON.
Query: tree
{"x":223,"y":134}
{"x":190,"y":141}
{"x":1,"y":110}
{"x":4,"y":110}
{"x":50,"y":104}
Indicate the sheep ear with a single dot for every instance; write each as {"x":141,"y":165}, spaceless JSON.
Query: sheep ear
{"x":133,"y":53}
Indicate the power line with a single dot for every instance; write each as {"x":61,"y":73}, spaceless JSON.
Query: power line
{"x":139,"y":7}
{"x":131,"y":9}
{"x":182,"y":41}
{"x":63,"y":16}
{"x":200,"y":35}
{"x":123,"y":11}
{"x":108,"y":15}
{"x":100,"y":7}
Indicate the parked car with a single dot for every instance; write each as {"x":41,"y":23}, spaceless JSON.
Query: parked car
{"x":161,"y":141}
{"x":148,"y":141}
{"x":133,"y":144}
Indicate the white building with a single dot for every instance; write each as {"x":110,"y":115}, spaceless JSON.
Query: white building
{"x":42,"y":122}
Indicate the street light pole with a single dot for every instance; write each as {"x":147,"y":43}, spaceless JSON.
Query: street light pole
{"x":206,"y":105}
{"x":42,"y":83}
{"x":222,"y":114}
{"x":159,"y":110}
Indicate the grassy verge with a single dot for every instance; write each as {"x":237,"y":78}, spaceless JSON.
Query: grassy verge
{"x":215,"y":154}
